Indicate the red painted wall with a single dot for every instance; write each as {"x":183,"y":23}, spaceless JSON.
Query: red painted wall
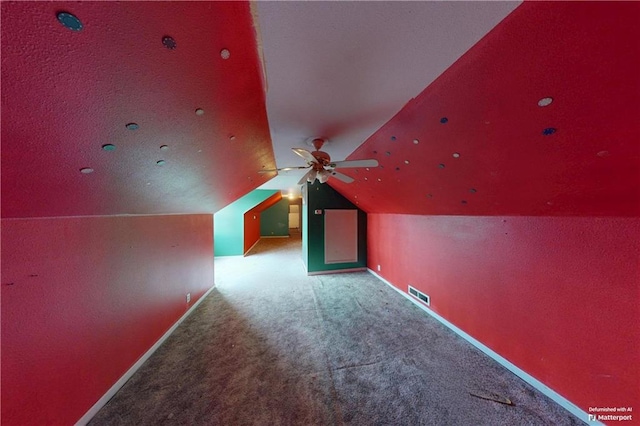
{"x":251,"y":225}
{"x":84,"y":298}
{"x":251,"y":229}
{"x":556,"y":296}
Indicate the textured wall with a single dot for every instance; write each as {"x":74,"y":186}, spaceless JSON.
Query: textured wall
{"x":253,"y":217}
{"x":321,"y":197}
{"x":473,"y":142}
{"x":230,"y":223}
{"x":84,"y":298}
{"x":66,"y":93}
{"x":558,"y":297}
{"x":520,"y":218}
{"x":274,"y":221}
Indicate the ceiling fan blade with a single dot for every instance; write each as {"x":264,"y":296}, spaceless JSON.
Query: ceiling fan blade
{"x":282,"y":169}
{"x":353,"y":163}
{"x":342,"y":177}
{"x":294,"y":168}
{"x":303,"y":179}
{"x":305,"y":154}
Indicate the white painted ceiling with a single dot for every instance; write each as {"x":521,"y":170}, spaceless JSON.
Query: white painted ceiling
{"x":341,"y":70}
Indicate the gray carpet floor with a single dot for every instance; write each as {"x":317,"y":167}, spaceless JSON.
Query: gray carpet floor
{"x":272,"y":346}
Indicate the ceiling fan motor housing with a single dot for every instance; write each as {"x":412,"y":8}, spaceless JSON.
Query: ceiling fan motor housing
{"x":323,"y":159}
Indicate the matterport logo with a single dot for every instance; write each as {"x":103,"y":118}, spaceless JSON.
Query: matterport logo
{"x":610,"y":414}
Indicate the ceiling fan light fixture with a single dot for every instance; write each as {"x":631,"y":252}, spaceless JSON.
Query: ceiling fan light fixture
{"x":312,"y":176}
{"x":323,"y":176}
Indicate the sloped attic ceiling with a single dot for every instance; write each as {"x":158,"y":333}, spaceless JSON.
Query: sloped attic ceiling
{"x":477,"y":141}
{"x":341,"y":70}
{"x":67,"y":93}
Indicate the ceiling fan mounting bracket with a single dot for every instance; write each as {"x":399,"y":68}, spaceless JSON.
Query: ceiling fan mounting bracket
{"x":316,"y":142}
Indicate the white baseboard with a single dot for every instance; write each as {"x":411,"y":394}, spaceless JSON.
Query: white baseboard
{"x":336,"y":271}
{"x":251,"y":248}
{"x":117,"y":385}
{"x":546,"y":390}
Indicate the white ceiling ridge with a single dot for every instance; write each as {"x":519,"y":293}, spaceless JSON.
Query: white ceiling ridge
{"x":331,"y":63}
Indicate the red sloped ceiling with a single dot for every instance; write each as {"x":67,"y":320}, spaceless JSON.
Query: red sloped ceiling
{"x":484,"y":109}
{"x":67,"y":93}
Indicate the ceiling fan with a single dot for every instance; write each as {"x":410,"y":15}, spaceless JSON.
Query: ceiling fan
{"x":321,"y":166}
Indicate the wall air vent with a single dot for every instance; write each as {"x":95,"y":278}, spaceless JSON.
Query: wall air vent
{"x":420,"y":296}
